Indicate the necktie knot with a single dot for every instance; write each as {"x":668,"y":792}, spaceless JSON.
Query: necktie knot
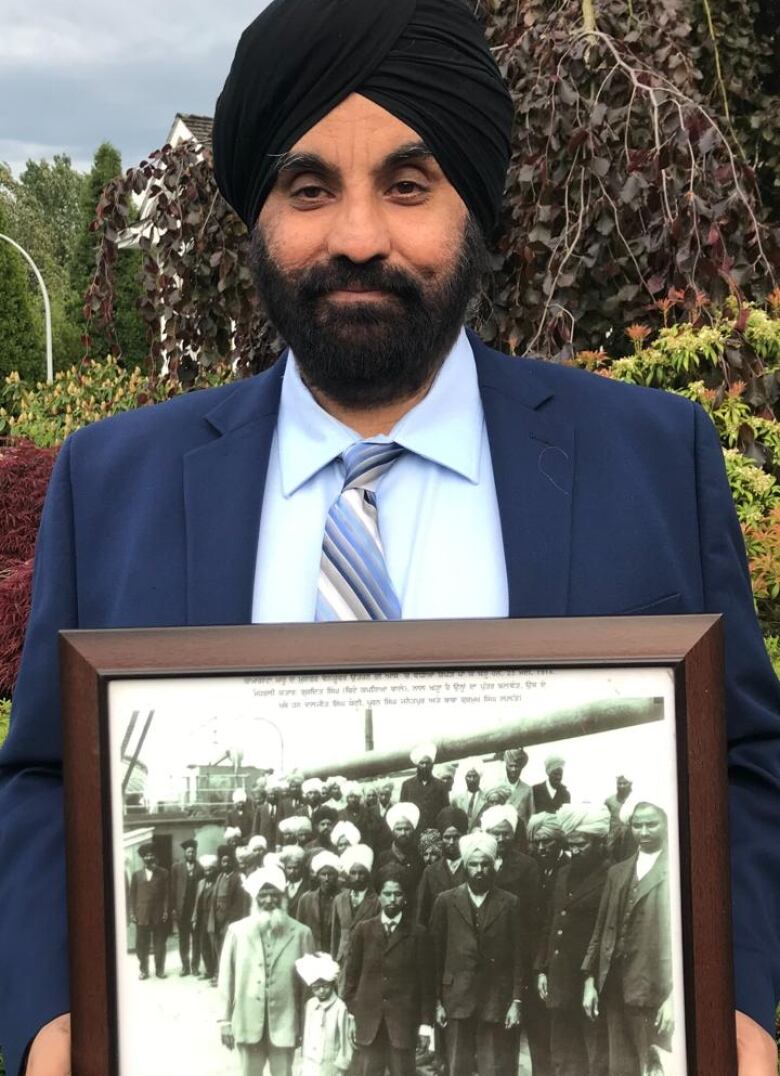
{"x":366,"y":461}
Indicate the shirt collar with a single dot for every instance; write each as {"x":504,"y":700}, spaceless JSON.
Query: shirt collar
{"x":444,"y":427}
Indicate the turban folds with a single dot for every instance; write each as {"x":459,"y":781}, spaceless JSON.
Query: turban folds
{"x":544,"y":827}
{"x":554,"y":762}
{"x":424,"y":61}
{"x":264,"y":876}
{"x":403,"y":812}
{"x":345,"y":829}
{"x":496,"y":816}
{"x":358,"y":854}
{"x":421,"y":751}
{"x":316,"y":966}
{"x":257,"y":843}
{"x":313,"y":784}
{"x":324,"y":859}
{"x":452,"y":816}
{"x":208,"y":861}
{"x":476,"y":842}
{"x":590,"y":819}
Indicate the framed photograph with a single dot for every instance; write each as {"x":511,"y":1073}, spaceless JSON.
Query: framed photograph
{"x":538,"y":806}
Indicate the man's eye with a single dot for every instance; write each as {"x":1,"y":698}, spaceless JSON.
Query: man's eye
{"x":309,"y":193}
{"x":408,"y":187}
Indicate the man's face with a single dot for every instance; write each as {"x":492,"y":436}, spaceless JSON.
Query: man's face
{"x":295,"y":789}
{"x":555,"y":777}
{"x":303,"y":836}
{"x":545,"y":850}
{"x":450,"y":840}
{"x":385,"y":795}
{"x":313,"y":797}
{"x":425,"y":768}
{"x":503,"y":834}
{"x":328,"y":879}
{"x":150,"y":860}
{"x":353,"y":801}
{"x":211,"y":874}
{"x":472,"y":781}
{"x":324,"y":827}
{"x":260,"y":791}
{"x":242,"y":858}
{"x":334,"y":790}
{"x":512,"y":771}
{"x":226,"y":863}
{"x":273,"y":796}
{"x":624,"y":787}
{"x":479,"y":872}
{"x":358,"y":877}
{"x":448,"y":781}
{"x":293,"y":869}
{"x":364,"y":257}
{"x":189,"y":854}
{"x":431,"y":854}
{"x":268,"y":899}
{"x":580,"y":847}
{"x":649,"y":828}
{"x":392,"y":898}
{"x":403,"y":834}
{"x":371,"y":798}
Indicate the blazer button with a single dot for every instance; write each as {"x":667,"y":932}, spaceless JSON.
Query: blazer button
{"x":563,"y":913}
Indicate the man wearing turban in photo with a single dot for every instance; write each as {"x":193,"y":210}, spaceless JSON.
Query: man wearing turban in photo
{"x":260,"y":994}
{"x":315,"y":909}
{"x":354,"y":904}
{"x":185,"y":876}
{"x":403,"y":821}
{"x":578,"y":1044}
{"x":549,"y":795}
{"x":479,"y":966}
{"x":521,"y":795}
{"x":425,"y":790}
{"x":448,"y":872}
{"x":389,"y":465}
{"x":473,"y":799}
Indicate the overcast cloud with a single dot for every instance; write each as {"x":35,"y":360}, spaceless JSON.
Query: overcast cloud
{"x":75,"y":74}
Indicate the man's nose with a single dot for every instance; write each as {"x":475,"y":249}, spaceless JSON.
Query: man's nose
{"x":359,"y":230}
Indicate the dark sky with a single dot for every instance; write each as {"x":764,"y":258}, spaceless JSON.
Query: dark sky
{"x":75,"y":73}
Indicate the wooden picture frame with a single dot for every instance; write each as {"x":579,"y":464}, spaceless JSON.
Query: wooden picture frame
{"x":689,"y":647}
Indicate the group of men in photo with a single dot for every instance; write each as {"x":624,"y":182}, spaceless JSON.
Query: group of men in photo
{"x":426,"y":933}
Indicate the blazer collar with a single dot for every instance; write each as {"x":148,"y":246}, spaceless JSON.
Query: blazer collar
{"x":654,"y":876}
{"x":401,"y":931}
{"x":488,"y":912}
{"x":532,"y":451}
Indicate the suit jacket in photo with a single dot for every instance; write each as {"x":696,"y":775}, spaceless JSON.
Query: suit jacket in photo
{"x":411,"y":868}
{"x":345,"y":921}
{"x":251,"y":987}
{"x":430,"y":797}
{"x":264,"y":823}
{"x":293,"y":902}
{"x":479,"y":971}
{"x":203,"y":911}
{"x":522,"y":799}
{"x":543,"y":801}
{"x":229,"y":899}
{"x":360,"y":818}
{"x":309,"y":912}
{"x":390,"y":980}
{"x":567,"y":934}
{"x":179,"y":880}
{"x":472,"y":810}
{"x":613,"y":500}
{"x":241,"y":815}
{"x":436,"y":878}
{"x":634,"y":924}
{"x":150,"y":900}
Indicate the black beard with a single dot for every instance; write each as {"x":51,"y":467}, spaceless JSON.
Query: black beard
{"x":368,"y":354}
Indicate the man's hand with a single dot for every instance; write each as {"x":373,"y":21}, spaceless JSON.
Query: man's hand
{"x":512,"y":1016}
{"x":756,"y":1049}
{"x":50,"y":1051}
{"x":590,"y":999}
{"x":541,"y":985}
{"x":228,"y":1038}
{"x":664,"y":1018}
{"x":165,"y":917}
{"x":441,"y":1015}
{"x":352,"y":1028}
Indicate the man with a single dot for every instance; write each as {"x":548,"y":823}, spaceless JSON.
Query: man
{"x":424,"y":790}
{"x":620,"y":843}
{"x":257,"y":846}
{"x":389,"y":984}
{"x":628,"y":963}
{"x":261,"y":996}
{"x":448,"y":872}
{"x":615,"y":803}
{"x":313,"y":793}
{"x":577,"y":1044}
{"x":551,"y":794}
{"x":333,"y":792}
{"x":242,"y":813}
{"x":383,"y":838}
{"x":479,"y":966}
{"x":293,"y":860}
{"x":473,"y":799}
{"x":356,"y":903}
{"x":521,"y":795}
{"x":149,"y":904}
{"x":229,"y":895}
{"x":323,"y":820}
{"x":403,"y":820}
{"x":185,"y":877}
{"x":203,"y":923}
{"x":315,"y":908}
{"x":265,"y":819}
{"x":447,"y":777}
{"x":353,"y":810}
{"x":546,"y":845}
{"x":366,"y":264}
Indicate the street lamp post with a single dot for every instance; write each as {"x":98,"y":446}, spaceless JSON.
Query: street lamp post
{"x":46,"y":305}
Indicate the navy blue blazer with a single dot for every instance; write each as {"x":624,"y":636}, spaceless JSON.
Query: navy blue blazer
{"x":613,"y":499}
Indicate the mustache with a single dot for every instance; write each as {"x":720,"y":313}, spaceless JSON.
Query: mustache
{"x":270,"y":921}
{"x":343,"y":275}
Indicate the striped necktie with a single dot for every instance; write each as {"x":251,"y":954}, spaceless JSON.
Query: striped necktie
{"x":353,"y":582}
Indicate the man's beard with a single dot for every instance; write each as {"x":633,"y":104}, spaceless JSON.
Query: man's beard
{"x":271,"y":922}
{"x":368,"y":353}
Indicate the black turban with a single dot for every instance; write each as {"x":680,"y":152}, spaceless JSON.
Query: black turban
{"x":452,"y":816}
{"x":425,"y":61}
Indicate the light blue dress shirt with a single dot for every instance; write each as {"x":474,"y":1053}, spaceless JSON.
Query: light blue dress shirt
{"x":438,"y":513}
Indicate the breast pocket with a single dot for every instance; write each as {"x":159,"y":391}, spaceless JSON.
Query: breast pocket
{"x":667,"y":604}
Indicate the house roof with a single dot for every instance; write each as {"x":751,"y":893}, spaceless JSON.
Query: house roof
{"x":200,"y":127}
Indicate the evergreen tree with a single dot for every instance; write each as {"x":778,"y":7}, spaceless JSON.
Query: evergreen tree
{"x":128,"y":324}
{"x":21,"y":345}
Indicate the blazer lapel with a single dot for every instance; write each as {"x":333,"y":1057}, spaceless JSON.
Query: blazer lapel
{"x":280,"y":944}
{"x":400,"y":932}
{"x":654,"y":876}
{"x":223,"y":492}
{"x":490,"y":910}
{"x":532,"y":450}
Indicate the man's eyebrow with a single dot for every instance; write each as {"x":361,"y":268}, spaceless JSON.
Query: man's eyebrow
{"x":293,"y":161}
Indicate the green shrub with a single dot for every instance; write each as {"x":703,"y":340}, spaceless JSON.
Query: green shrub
{"x":5,"y":716}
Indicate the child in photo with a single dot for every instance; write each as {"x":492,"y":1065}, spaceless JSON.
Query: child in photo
{"x":327,"y":1048}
